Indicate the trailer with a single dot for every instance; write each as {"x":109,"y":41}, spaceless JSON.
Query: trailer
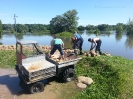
{"x":33,"y":66}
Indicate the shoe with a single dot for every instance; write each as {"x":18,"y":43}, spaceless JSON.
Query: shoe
{"x":100,"y":52}
{"x":80,"y":53}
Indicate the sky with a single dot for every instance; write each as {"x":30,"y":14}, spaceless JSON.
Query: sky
{"x":90,"y":12}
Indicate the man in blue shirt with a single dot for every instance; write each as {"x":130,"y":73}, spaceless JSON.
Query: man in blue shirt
{"x":78,"y":44}
{"x":57,"y":44}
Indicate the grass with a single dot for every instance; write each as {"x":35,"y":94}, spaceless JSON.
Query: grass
{"x":64,"y":34}
{"x":7,"y":59}
{"x":112,"y":77}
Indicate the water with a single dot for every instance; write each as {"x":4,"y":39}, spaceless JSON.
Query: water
{"x":115,"y":44}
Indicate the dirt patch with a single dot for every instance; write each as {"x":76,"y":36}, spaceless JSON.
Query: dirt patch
{"x":10,"y":89}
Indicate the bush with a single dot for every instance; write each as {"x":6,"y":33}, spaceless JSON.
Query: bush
{"x":64,"y":34}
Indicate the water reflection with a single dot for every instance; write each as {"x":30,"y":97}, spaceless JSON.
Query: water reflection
{"x":118,"y":36}
{"x":19,"y":36}
{"x":129,"y":41}
{"x":67,"y":42}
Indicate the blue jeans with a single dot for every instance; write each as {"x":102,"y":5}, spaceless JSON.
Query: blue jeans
{"x":55,"y":47}
{"x":98,"y":45}
{"x":79,"y":44}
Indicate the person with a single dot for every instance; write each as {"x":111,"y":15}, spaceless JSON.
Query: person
{"x":97,"y":43}
{"x":57,"y":43}
{"x":78,"y":43}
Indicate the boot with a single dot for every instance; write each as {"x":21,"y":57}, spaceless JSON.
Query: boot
{"x":75,"y":51}
{"x":100,"y":52}
{"x":80,"y":53}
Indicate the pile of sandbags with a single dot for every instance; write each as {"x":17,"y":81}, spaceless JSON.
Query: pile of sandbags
{"x":83,"y":82}
{"x":7,"y":47}
{"x":91,"y":53}
{"x":57,"y":57}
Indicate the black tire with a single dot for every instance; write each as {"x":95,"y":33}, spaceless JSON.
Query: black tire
{"x":36,"y":87}
{"x":69,"y":75}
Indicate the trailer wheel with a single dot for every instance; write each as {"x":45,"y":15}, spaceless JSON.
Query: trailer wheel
{"x":69,"y":75}
{"x":36,"y":87}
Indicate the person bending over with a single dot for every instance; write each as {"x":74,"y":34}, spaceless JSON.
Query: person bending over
{"x":95,"y":43}
{"x":57,"y":44}
{"x":78,"y":43}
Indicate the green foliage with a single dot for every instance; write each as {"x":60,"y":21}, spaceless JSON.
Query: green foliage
{"x":8,"y":28}
{"x":66,"y":22}
{"x":97,"y":32}
{"x":23,"y":28}
{"x":81,"y":28}
{"x":119,"y":28}
{"x":103,"y":27}
{"x":64,"y":34}
{"x":91,"y":31}
{"x":7,"y":59}
{"x":130,"y":27}
{"x":90,"y":27}
{"x":112,"y":77}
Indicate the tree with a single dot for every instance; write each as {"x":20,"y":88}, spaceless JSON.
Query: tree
{"x":103,"y":27}
{"x":119,"y":28}
{"x":90,"y":27}
{"x":81,"y":28}
{"x":21,"y":28}
{"x":0,"y":29}
{"x":57,"y":24}
{"x":8,"y":28}
{"x":64,"y":23}
{"x":129,"y":27}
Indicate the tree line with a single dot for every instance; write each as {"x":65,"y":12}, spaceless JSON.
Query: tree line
{"x":67,"y":22}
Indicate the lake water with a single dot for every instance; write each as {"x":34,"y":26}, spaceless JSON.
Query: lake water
{"x":115,"y":44}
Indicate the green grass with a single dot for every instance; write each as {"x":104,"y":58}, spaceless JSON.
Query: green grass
{"x":64,"y":34}
{"x":112,"y":77}
{"x":7,"y":59}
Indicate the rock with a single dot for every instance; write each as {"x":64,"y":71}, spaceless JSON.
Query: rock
{"x":85,"y":80}
{"x":88,"y":54}
{"x":93,"y":53}
{"x":81,"y":85}
{"x":106,"y":53}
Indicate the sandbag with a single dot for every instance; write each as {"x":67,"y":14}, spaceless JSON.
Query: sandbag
{"x":85,"y":80}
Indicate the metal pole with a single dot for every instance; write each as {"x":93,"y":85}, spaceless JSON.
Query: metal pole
{"x":15,"y":25}
{"x":15,"y":22}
